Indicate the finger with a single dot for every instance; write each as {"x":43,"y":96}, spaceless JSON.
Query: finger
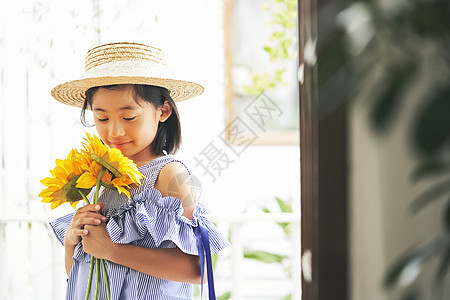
{"x":80,"y":232}
{"x":88,"y":221}
{"x":88,"y":214}
{"x":81,"y":221}
{"x":91,"y":207}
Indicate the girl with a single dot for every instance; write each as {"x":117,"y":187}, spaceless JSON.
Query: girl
{"x":150,"y":242}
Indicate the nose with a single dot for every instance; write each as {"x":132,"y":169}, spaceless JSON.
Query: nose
{"x":116,"y":129}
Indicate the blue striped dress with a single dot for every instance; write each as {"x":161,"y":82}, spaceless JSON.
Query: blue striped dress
{"x":146,"y":220}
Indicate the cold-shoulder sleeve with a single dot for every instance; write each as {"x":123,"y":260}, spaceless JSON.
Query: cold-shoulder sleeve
{"x":60,"y":225}
{"x":163,"y":218}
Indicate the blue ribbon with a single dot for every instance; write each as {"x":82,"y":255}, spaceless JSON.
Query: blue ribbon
{"x":204,"y":250}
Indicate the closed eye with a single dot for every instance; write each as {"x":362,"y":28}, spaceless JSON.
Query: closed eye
{"x":102,"y":120}
{"x":129,"y":119}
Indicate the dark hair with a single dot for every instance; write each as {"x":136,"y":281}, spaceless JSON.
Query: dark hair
{"x":168,"y":135}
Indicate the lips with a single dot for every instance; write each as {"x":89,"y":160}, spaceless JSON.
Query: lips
{"x":119,"y":145}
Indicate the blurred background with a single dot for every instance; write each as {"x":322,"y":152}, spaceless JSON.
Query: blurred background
{"x":382,"y":74}
{"x":243,"y":52}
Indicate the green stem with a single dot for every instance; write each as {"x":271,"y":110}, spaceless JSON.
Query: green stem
{"x":84,"y":196}
{"x":97,"y":275}
{"x":93,"y":259}
{"x":97,"y":185}
{"x":90,"y":278}
{"x":106,"y":165}
{"x":105,"y":274}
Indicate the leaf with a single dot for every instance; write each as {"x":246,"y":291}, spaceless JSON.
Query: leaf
{"x":278,"y":34}
{"x":264,"y":256}
{"x":446,"y":216}
{"x":266,"y":210}
{"x":388,"y":102}
{"x":430,"y":167}
{"x":286,"y":226}
{"x":432,"y":129}
{"x":279,"y":74}
{"x":268,"y":49}
{"x":412,"y":260}
{"x":441,"y":272}
{"x":287,"y":297}
{"x":334,"y":60}
{"x":214,"y":260}
{"x":224,"y":296}
{"x":430,"y":195}
{"x":411,"y":294}
{"x":285,"y":206}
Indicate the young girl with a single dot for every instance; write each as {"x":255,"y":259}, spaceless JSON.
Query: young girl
{"x":151,"y":241}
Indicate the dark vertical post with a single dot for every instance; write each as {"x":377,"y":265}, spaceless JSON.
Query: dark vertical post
{"x":308,"y":157}
{"x":323,"y":150}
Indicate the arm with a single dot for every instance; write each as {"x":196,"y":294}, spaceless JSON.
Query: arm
{"x":86,"y":215}
{"x":169,"y":264}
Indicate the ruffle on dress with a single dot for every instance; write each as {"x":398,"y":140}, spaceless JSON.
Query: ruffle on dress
{"x":60,"y":226}
{"x":162,"y":218}
{"x":152,"y":221}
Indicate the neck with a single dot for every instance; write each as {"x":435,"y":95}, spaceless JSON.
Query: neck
{"x":144,"y":162}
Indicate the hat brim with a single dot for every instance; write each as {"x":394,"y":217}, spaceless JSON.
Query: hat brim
{"x":74,"y":92}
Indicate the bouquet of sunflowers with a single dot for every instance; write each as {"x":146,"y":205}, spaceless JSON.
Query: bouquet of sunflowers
{"x":73,"y":178}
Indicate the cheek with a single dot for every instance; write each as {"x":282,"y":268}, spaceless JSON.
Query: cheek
{"x":150,"y":124}
{"x":101,"y":130}
{"x":147,"y":130}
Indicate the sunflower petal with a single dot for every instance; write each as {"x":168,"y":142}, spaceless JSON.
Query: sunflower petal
{"x":86,"y":181}
{"x":55,"y":204}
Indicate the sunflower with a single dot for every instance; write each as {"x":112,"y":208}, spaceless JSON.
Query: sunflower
{"x":122,"y":173}
{"x":96,"y":164}
{"x":61,"y":188}
{"x":73,"y":178}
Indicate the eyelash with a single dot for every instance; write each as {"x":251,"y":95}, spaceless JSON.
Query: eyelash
{"x":126,"y":119}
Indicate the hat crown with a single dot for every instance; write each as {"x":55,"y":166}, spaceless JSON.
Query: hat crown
{"x":121,"y":52}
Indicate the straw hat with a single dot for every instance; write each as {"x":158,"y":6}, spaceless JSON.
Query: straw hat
{"x":124,"y":63}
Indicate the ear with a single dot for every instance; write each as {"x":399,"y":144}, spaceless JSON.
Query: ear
{"x":166,"y":111}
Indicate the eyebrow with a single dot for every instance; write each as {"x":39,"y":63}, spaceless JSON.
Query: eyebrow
{"x":122,"y":108}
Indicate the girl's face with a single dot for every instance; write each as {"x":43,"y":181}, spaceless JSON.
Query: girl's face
{"x":126,"y":125}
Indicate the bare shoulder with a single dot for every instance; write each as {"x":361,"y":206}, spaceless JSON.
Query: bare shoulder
{"x":174,"y":180}
{"x":172,"y":175}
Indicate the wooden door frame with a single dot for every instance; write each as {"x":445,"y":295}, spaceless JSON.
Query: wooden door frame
{"x":323,"y":152}
{"x":308,"y":158}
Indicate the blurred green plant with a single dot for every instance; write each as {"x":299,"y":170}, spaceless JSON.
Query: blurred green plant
{"x":280,"y":47}
{"x":385,"y":50}
{"x":262,"y":256}
{"x":270,"y":257}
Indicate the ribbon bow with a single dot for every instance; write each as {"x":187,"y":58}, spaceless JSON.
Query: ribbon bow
{"x":204,"y":251}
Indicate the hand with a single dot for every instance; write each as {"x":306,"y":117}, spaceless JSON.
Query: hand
{"x":98,"y":242}
{"x":86,"y":215}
